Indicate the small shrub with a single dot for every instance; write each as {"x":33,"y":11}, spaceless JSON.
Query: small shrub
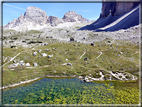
{"x":12,"y":46}
{"x":109,"y":41}
{"x":11,"y":41}
{"x":34,"y":42}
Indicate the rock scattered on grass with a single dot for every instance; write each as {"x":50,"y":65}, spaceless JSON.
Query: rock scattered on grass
{"x":44,"y":44}
{"x":43,"y":54}
{"x":49,"y":56}
{"x":92,"y":44}
{"x":27,"y":64}
{"x":35,"y":64}
{"x":69,"y":64}
{"x":39,"y":51}
{"x":47,"y":49}
{"x":86,"y":59}
{"x":35,"y":53}
{"x":14,"y":61}
{"x":71,"y":39}
{"x":15,"y":65}
{"x":21,"y":63}
{"x":54,"y":49}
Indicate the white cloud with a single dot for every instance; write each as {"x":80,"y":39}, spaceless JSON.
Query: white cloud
{"x":14,"y":7}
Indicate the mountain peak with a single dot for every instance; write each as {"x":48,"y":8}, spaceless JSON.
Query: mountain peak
{"x":72,"y":16}
{"x":36,"y":15}
{"x":32,"y":7}
{"x":71,"y":12}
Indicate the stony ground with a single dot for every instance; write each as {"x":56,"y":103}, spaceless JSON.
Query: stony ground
{"x":87,"y":55}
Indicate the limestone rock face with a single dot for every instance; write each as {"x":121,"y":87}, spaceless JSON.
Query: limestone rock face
{"x":72,"y":16}
{"x":54,"y":21}
{"x":123,"y":7}
{"x":34,"y":14}
{"x":116,"y":8}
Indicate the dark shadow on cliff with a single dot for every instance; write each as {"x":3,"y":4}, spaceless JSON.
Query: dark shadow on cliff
{"x":129,"y":21}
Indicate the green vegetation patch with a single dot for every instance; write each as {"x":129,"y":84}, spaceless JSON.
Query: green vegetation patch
{"x":34,"y":31}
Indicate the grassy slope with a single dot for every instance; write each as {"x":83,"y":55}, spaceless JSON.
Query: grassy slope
{"x":109,"y":60}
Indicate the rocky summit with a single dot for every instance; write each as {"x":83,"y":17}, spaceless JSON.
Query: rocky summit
{"x":72,"y":16}
{"x":36,"y":15}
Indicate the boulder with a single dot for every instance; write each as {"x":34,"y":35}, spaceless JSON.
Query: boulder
{"x":49,"y":56}
{"x":15,"y":65}
{"x":83,"y":37}
{"x":71,"y":39}
{"x":92,"y":44}
{"x":86,"y":79}
{"x":47,"y":49}
{"x":21,"y":63}
{"x":27,"y":64}
{"x":69,"y":64}
{"x":35,"y":64}
{"x":35,"y":53}
{"x":14,"y":61}
{"x":39,"y":50}
{"x":54,"y":49}
{"x":44,"y":44}
{"x":43,"y":54}
{"x":86,"y":59}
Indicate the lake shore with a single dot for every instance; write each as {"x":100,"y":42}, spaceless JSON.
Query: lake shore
{"x":32,"y":80}
{"x":20,"y":83}
{"x":51,"y":76}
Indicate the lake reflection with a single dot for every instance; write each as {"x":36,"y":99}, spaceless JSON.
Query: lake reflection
{"x":60,"y":91}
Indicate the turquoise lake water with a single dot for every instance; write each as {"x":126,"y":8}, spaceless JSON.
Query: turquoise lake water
{"x":60,"y":91}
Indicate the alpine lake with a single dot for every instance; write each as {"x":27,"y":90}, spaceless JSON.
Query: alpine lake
{"x":72,"y":91}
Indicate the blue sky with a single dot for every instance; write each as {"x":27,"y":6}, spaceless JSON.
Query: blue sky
{"x":87,"y":10}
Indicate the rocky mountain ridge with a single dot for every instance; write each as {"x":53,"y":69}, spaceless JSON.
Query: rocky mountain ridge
{"x":35,"y":18}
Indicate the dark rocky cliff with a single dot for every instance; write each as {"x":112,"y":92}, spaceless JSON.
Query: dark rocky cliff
{"x":116,"y":8}
{"x":116,"y":16}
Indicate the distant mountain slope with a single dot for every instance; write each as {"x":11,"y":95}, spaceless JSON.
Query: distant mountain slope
{"x":35,"y":18}
{"x":115,"y":20}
